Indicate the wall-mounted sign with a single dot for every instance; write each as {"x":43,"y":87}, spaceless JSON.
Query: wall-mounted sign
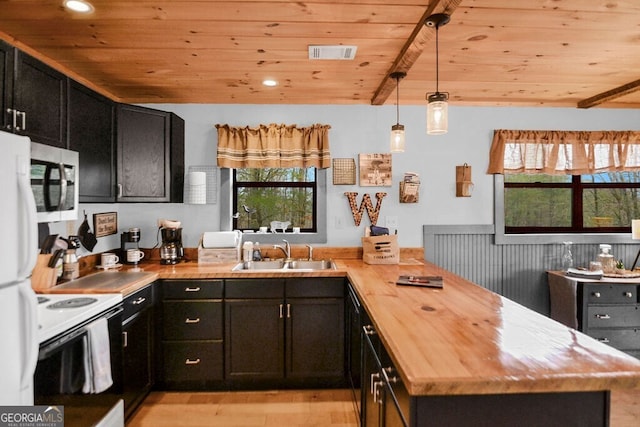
{"x":105,"y":224}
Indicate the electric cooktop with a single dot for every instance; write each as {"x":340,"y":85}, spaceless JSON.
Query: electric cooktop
{"x":58,"y":313}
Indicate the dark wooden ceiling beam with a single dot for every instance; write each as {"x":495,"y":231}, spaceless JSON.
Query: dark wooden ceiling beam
{"x":413,"y":48}
{"x":610,"y":94}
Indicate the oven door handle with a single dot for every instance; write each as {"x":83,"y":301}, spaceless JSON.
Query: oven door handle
{"x":48,"y":349}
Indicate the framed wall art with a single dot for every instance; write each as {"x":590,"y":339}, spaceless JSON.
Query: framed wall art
{"x":375,"y":170}
{"x":105,"y":224}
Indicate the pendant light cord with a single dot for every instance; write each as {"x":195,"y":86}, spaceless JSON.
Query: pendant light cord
{"x":398,"y":100}
{"x":437,"y":61}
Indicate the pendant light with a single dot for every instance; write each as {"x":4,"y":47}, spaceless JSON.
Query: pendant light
{"x":437,"y":107}
{"x":397,"y":130}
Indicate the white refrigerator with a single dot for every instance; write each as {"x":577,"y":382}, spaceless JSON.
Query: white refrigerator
{"x":18,"y":254}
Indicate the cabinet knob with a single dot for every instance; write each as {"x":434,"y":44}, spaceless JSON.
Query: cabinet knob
{"x":603,"y":316}
{"x":628,"y":294}
{"x":188,"y":320}
{"x":192,"y":361}
{"x":604,"y":340}
{"x":596,"y":294}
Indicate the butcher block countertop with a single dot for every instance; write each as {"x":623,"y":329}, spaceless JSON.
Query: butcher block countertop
{"x":461,"y":339}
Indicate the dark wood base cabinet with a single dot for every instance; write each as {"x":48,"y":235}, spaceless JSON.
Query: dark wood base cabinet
{"x":137,"y":344}
{"x":191,"y":357}
{"x":386,"y":402}
{"x":284,"y":333}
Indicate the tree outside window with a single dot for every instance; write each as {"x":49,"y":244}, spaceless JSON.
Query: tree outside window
{"x":261,"y":196}
{"x":595,"y":203}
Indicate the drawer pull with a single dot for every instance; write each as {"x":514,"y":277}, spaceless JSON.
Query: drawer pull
{"x":192,"y":361}
{"x":369,"y":330}
{"x":628,"y":294}
{"x":603,"y":316}
{"x":188,"y":320}
{"x":374,"y":378}
{"x":139,"y":301}
{"x":596,"y":294}
{"x":604,"y":340}
{"x":196,"y":289}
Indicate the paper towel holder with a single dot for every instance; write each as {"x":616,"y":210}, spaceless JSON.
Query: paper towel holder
{"x":196,"y":184}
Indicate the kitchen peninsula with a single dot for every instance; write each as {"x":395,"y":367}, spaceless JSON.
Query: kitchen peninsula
{"x":462,"y":353}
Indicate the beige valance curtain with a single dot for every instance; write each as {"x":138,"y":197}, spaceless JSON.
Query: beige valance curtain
{"x":564,"y":152}
{"x":273,"y":146}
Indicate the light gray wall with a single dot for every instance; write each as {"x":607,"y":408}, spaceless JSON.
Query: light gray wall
{"x":365,"y":129}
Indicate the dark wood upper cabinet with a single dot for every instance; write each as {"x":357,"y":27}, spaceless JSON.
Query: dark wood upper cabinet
{"x":6,"y":82}
{"x":150,"y":159}
{"x":92,"y":135}
{"x":39,"y":107}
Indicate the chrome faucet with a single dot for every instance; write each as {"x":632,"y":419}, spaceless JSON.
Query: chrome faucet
{"x":310,"y":252}
{"x":286,"y":249}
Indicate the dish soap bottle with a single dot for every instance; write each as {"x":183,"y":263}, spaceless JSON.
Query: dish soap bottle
{"x":607,"y":260}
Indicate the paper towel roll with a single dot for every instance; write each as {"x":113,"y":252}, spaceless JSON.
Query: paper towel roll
{"x":220,"y":239}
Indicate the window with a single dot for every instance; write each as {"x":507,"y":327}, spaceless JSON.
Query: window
{"x":595,"y":203}
{"x":261,"y":196}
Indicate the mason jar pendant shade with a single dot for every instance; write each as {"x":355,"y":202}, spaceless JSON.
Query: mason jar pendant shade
{"x":397,"y":130}
{"x":437,"y":106}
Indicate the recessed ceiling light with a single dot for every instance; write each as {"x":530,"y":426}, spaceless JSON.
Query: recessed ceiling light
{"x":79,"y":6}
{"x":270,"y":82}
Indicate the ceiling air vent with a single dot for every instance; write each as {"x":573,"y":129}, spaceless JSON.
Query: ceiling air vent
{"x":332,"y":52}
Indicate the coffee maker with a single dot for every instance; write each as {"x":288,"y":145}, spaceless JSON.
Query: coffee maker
{"x":129,"y":240}
{"x":171,"y":251}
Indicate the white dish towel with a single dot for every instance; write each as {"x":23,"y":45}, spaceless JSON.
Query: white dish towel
{"x":97,"y":357}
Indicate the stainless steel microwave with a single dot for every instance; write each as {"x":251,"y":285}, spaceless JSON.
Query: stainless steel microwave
{"x":54,"y":181}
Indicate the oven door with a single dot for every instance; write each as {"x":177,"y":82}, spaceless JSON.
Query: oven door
{"x":59,"y":376}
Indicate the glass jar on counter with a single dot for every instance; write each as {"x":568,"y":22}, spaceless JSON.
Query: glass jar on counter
{"x":606,"y":259}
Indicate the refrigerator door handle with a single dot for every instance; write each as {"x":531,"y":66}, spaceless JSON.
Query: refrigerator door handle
{"x":30,"y":244}
{"x":30,"y":303}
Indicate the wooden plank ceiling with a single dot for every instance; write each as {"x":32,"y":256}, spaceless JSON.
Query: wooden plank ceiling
{"x":493,"y":52}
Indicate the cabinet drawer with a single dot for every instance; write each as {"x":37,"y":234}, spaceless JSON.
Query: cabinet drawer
{"x":611,"y":294}
{"x":191,"y":363}
{"x":611,"y":316}
{"x":254,"y":288}
{"x":192,"y":289}
{"x":138,"y":301}
{"x":623,"y":339}
{"x":315,"y":288}
{"x":192,"y":320}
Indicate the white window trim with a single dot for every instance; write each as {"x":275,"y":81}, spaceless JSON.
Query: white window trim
{"x":226,"y":214}
{"x":535,"y":239}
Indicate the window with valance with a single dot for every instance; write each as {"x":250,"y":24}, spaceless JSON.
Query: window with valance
{"x":566,"y":181}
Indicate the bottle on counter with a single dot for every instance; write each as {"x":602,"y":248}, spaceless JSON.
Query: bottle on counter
{"x":70,"y":265}
{"x":247,"y":251}
{"x":606,"y":259}
{"x":567,"y":256}
{"x":257,"y":253}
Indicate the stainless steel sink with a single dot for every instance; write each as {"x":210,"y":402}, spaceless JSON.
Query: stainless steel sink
{"x":260,"y":265}
{"x":283,"y":265}
{"x":316,"y":264}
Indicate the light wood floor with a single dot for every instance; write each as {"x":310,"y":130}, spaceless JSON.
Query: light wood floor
{"x":331,"y":408}
{"x":269,"y":408}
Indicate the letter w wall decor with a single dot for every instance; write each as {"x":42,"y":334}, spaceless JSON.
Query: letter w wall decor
{"x":366,"y":203}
